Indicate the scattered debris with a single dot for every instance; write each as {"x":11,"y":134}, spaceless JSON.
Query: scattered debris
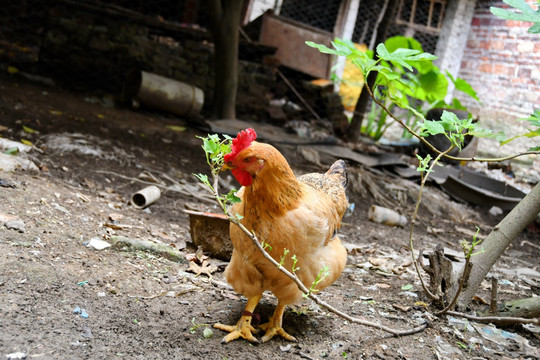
{"x":146,"y":197}
{"x":386,"y":216}
{"x":98,"y":244}
{"x":507,"y":340}
{"x":10,"y":163}
{"x":7,"y":184}
{"x":16,"y":224}
{"x":60,"y":208}
{"x":198,"y":263}
{"x":6,"y":144}
{"x":81,"y":312}
{"x":16,"y":356}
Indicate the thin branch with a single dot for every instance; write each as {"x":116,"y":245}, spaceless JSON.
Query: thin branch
{"x":495,"y":319}
{"x":433,"y":148}
{"x":413,"y":222}
{"x":298,"y":95}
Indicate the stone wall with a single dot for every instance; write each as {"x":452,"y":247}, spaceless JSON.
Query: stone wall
{"x":88,"y":50}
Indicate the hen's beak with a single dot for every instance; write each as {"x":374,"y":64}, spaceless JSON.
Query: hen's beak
{"x":226,"y":167}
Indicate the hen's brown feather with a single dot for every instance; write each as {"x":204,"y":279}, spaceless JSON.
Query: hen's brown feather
{"x":301,"y":215}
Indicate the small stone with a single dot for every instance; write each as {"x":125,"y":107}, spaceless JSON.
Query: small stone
{"x":17,"y":225}
{"x":16,"y":356}
{"x":495,"y":211}
{"x":98,"y":244}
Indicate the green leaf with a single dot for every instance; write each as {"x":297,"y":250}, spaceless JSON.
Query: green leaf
{"x":177,"y":128}
{"x":407,"y":287}
{"x":433,"y":86}
{"x":534,"y":119}
{"x":487,"y":133}
{"x":326,"y":50}
{"x":402,"y":56}
{"x":232,"y":198}
{"x":396,"y":42}
{"x":527,"y":14}
{"x":203,"y":178}
{"x":29,"y":130}
{"x":12,"y":151}
{"x":463,"y":86}
{"x":535,"y":29}
{"x":423,"y":166}
{"x":432,"y":127}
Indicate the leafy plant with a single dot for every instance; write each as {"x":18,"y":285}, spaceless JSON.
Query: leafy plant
{"x":215,"y":148}
{"x":407,"y":78}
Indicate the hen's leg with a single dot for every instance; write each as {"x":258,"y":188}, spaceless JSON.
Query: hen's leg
{"x":273,"y":327}
{"x":243,"y":327}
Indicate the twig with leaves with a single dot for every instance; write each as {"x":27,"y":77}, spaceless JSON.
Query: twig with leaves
{"x":395,"y":88}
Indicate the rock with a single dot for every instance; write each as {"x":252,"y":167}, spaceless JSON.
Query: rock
{"x":98,"y":244}
{"x":17,"y":224}
{"x":11,"y":163}
{"x":16,"y":356}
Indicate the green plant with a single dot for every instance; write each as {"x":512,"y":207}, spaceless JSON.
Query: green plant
{"x":320,"y":276}
{"x":215,"y":148}
{"x":396,"y":92}
{"x":405,"y":72}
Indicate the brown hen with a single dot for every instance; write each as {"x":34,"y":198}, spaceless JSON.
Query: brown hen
{"x":301,"y":215}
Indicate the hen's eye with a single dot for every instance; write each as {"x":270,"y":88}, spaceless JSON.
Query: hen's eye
{"x":248,"y":159}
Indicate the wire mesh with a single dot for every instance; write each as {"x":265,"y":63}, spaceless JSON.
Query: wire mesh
{"x":321,"y":14}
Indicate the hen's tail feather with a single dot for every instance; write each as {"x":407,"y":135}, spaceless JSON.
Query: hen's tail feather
{"x":339,"y":168}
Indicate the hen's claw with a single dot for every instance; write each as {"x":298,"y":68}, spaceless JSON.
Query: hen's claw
{"x":241,"y":330}
{"x":273,"y":326}
{"x":275,"y":330}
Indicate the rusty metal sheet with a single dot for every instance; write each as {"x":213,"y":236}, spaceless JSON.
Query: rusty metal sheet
{"x":289,"y":37}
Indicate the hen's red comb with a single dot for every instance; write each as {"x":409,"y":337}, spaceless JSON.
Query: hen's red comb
{"x":242,"y":141}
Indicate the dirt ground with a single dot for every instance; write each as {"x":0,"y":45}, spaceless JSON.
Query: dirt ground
{"x":61,"y":299}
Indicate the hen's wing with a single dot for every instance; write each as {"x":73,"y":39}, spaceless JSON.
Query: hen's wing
{"x":333,"y":183}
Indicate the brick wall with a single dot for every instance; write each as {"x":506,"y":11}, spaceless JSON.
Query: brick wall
{"x":502,"y":63}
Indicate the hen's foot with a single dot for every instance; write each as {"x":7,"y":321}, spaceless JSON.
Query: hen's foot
{"x":273,"y":327}
{"x":242,"y":329}
{"x":271,"y":331}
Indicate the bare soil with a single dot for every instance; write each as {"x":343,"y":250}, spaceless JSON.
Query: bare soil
{"x":144,"y":306}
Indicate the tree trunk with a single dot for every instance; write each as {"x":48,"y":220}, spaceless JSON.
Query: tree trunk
{"x":498,"y":240}
{"x":224,"y":22}
{"x":363,"y":101}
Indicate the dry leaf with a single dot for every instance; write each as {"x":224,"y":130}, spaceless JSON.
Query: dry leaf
{"x":204,"y":268}
{"x":376,"y":261}
{"x":480,"y":300}
{"x":401,"y":307}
